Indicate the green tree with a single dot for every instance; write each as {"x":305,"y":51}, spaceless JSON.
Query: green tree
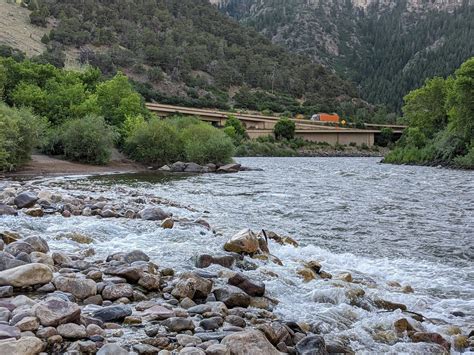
{"x":284,"y":128}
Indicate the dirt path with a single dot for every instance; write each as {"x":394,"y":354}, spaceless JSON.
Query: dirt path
{"x":43,"y":165}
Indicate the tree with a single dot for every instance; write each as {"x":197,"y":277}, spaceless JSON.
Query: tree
{"x":284,"y":128}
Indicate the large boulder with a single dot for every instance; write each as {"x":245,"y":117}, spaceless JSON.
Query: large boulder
{"x":54,"y":311}
{"x":6,"y":210}
{"x":251,"y":287}
{"x":26,"y":200}
{"x":153,"y":214}
{"x":244,"y":241}
{"x":192,"y":286}
{"x":232,"y":296}
{"x":249,"y":342}
{"x":24,"y":346}
{"x":112,"y":313}
{"x":312,"y":345}
{"x":26,"y":275}
{"x":178,"y":167}
{"x":79,"y":288}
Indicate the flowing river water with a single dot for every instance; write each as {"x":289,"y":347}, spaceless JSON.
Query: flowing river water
{"x":382,"y":223}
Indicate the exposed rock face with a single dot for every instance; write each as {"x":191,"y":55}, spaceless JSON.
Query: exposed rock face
{"x":26,"y":275}
{"x":249,"y":342}
{"x":54,"y":311}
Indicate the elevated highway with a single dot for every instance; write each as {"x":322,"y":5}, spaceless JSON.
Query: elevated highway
{"x":261,"y":125}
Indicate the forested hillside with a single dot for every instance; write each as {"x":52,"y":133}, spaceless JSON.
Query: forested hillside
{"x":187,"y":52}
{"x":387,"y":48}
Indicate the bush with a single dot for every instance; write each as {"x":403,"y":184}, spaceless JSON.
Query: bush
{"x":385,"y":137}
{"x":206,"y":144}
{"x":20,"y":132}
{"x":284,"y":128}
{"x":88,"y":140}
{"x":466,"y":161}
{"x":255,"y":148}
{"x":155,"y":142}
{"x":235,"y":129}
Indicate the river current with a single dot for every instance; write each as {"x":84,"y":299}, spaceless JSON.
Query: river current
{"x":382,"y":223}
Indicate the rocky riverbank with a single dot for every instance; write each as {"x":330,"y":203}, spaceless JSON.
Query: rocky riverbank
{"x":56,"y":302}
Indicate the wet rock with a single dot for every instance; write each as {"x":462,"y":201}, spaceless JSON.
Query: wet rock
{"x":42,"y":258}
{"x":424,"y":337}
{"x":7,"y":331}
{"x":6,"y":291}
{"x":10,"y":237}
{"x":112,"y":349}
{"x":130,"y":257}
{"x":153,"y":214}
{"x":130,"y":273}
{"x":49,"y":287}
{"x":54,"y":311}
{"x":6,"y":210}
{"x":113,"y":292}
{"x":112,"y":313}
{"x":407,"y":289}
{"x":24,"y":346}
{"x":18,"y":247}
{"x":390,"y":306}
{"x":229,"y":168}
{"x":28,"y":324}
{"x":83,"y":347}
{"x":165,"y":168}
{"x":249,"y":342}
{"x":232,"y":296}
{"x":276,"y":332}
{"x":107,"y":214}
{"x":26,"y":200}
{"x":345,"y":276}
{"x":282,"y":240}
{"x":193,"y":168}
{"x":402,"y":325}
{"x":61,"y":258}
{"x":34,"y":212}
{"x":192,"y":286}
{"x":149,"y":282}
{"x":168,"y":223}
{"x":251,"y":287}
{"x":178,"y":167}
{"x":460,"y":342}
{"x":205,"y":260}
{"x":312,"y":345}
{"x":79,"y":288}
{"x":72,"y":331}
{"x":203,"y":223}
{"x":177,"y":324}
{"x":26,"y":275}
{"x":244,"y":241}
{"x":145,"y":349}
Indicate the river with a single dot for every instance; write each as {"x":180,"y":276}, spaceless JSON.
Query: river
{"x":382,"y":223}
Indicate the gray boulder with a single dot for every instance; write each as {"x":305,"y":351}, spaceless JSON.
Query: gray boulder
{"x":312,"y":345}
{"x":26,"y":200}
{"x":153,"y":214}
{"x":112,"y":313}
{"x":79,"y":288}
{"x":232,"y":296}
{"x":55,"y":311}
{"x":6,"y":210}
{"x":38,"y":243}
{"x":16,"y":248}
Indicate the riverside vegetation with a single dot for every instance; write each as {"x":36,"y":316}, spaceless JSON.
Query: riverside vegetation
{"x":57,"y":302}
{"x":441,"y":122}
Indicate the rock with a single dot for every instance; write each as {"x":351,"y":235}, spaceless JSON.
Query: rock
{"x":192,"y":286}
{"x":251,"y":287}
{"x":282,"y":240}
{"x":217,"y":349}
{"x":424,"y":337}
{"x":4,"y":314}
{"x":46,"y":332}
{"x":187,"y":303}
{"x":205,"y":260}
{"x":200,"y":309}
{"x":229,"y":168}
{"x":212,"y":323}
{"x":18,"y":247}
{"x":61,"y":258}
{"x":77,"y":237}
{"x":7,"y":261}
{"x":24,"y":346}
{"x":149,"y":282}
{"x":7,"y":331}
{"x":108,"y":214}
{"x":402,"y":325}
{"x":130,"y":273}
{"x":178,"y":167}
{"x":249,"y":342}
{"x":6,"y":210}
{"x":145,"y":349}
{"x":72,"y":331}
{"x":168,"y":223}
{"x":42,"y":258}
{"x":112,"y":313}
{"x":35,"y":212}
{"x":345,"y":276}
{"x":94,"y":329}
{"x":112,"y":349}
{"x":187,"y":340}
{"x":407,"y":289}
{"x":26,"y":275}
{"x":116,"y":291}
{"x":54,"y":311}
{"x":28,"y":324}
{"x":232,"y":296}
{"x":244,"y":241}
{"x":312,"y":345}
{"x":177,"y":324}
{"x":262,"y":303}
{"x":390,"y":306}
{"x":66,"y":214}
{"x":39,"y":244}
{"x":83,"y":347}
{"x":460,"y":342}
{"x":6,"y":291}
{"x":79,"y":288}
{"x":236,"y":321}
{"x":25,"y":200}
{"x":191,"y":351}
{"x":22,"y":256}
{"x":165,"y":168}
{"x":193,"y":168}
{"x":135,"y":255}
{"x":153,"y":214}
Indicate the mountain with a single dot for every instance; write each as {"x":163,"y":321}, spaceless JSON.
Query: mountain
{"x":187,"y":52}
{"x":388,"y":47}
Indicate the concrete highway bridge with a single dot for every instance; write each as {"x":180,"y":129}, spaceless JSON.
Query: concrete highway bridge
{"x":260,"y":125}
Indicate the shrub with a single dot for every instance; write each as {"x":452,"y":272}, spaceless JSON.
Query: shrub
{"x":284,"y":128}
{"x":352,"y":144}
{"x":206,"y":144}
{"x":255,"y":148}
{"x":155,"y":142}
{"x":385,"y":137}
{"x":466,"y":161}
{"x":88,"y":140}
{"x":20,"y":132}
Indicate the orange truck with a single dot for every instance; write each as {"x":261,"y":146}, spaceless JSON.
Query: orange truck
{"x":325,"y":117}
